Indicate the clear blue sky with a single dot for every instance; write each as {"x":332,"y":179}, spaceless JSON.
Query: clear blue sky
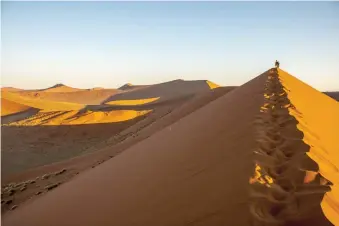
{"x":107,"y":44}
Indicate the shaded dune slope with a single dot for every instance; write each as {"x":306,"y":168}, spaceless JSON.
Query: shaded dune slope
{"x":193,"y":172}
{"x":163,"y":91}
{"x":155,"y":121}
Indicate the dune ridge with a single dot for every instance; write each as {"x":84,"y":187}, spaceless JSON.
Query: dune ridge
{"x":287,"y":190}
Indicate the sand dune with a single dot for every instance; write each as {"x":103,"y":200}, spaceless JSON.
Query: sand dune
{"x":191,"y":165}
{"x":61,"y":88}
{"x":164,"y":91}
{"x":319,"y":122}
{"x":44,"y":105}
{"x":183,"y":174}
{"x":9,"y":107}
{"x":129,"y":86}
{"x":132,"y":102}
{"x":92,"y":96}
{"x":162,"y":116}
{"x":11,"y":89}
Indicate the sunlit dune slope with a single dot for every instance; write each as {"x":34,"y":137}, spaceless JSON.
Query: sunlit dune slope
{"x":164,"y":91}
{"x":44,"y":105}
{"x":132,"y":102}
{"x":92,"y":96}
{"x":194,"y":171}
{"x":319,"y":121}
{"x":9,"y":107}
{"x":79,"y":118}
{"x":212,"y":85}
{"x":11,"y":89}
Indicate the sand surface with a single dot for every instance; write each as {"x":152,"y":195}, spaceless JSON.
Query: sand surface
{"x":184,"y":174}
{"x":9,"y":107}
{"x":319,"y":122}
{"x":164,"y":91}
{"x":92,"y":96}
{"x":185,"y":163}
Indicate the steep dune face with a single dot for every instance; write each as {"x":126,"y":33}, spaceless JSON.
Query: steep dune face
{"x":9,"y":107}
{"x":164,"y":91}
{"x":319,"y":121}
{"x":193,"y":172}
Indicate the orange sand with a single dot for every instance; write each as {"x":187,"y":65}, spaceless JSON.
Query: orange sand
{"x":212,"y":85}
{"x":132,"y":102}
{"x":319,"y":121}
{"x":60,"y":88}
{"x":193,"y":172}
{"x":9,"y":107}
{"x":44,"y":105}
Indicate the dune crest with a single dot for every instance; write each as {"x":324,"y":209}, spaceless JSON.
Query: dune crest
{"x":61,"y":88}
{"x":291,"y":192}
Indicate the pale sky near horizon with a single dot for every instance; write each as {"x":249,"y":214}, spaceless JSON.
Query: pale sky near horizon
{"x":107,"y":44}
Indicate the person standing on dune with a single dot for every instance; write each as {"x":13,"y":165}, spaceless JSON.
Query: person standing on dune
{"x":277,"y":64}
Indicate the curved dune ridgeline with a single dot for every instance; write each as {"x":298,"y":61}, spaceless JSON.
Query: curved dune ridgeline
{"x":319,"y":122}
{"x":289,"y":189}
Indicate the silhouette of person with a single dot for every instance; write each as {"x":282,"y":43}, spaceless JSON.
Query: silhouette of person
{"x":277,"y":64}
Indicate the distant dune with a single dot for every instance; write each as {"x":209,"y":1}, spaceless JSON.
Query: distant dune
{"x":11,"y":89}
{"x":164,"y":91}
{"x":334,"y":95}
{"x":61,"y":88}
{"x":129,"y":86}
{"x":44,"y":105}
{"x":91,"y":96}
